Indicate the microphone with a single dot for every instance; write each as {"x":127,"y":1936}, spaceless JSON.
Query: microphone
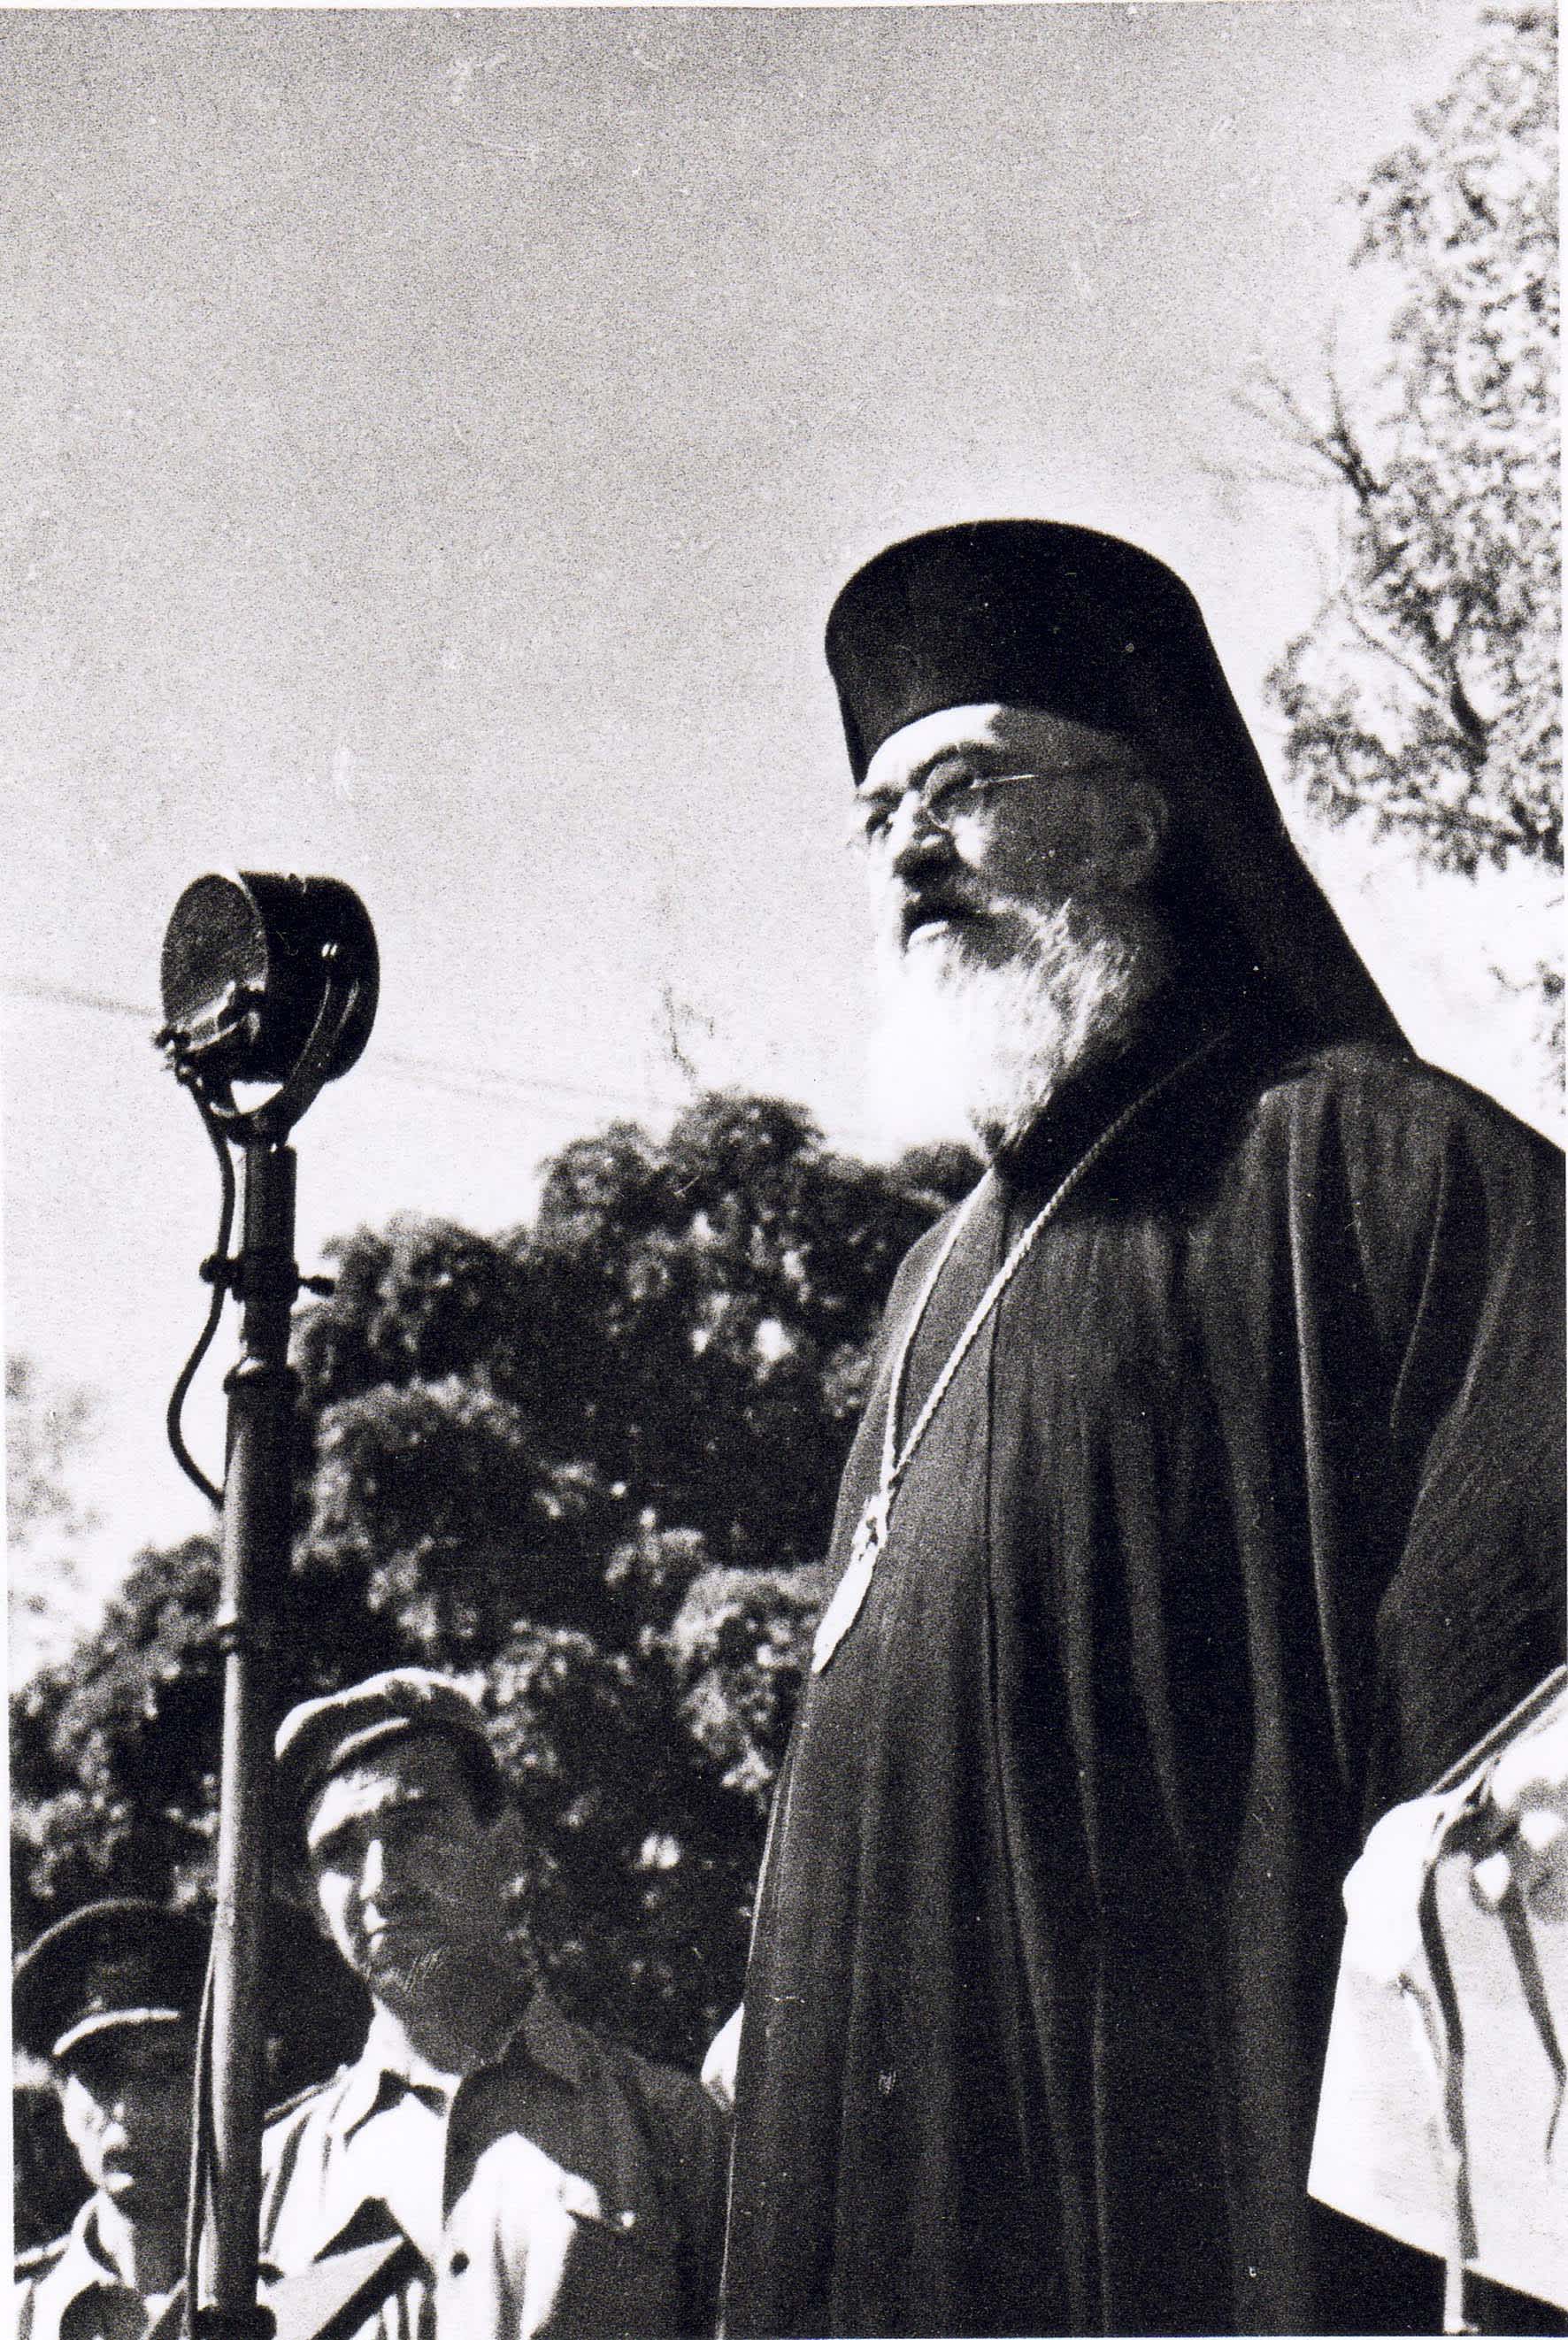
{"x":261,"y":972}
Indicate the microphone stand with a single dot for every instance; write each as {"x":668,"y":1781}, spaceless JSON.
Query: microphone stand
{"x":257,"y":1504}
{"x":258,"y":1487}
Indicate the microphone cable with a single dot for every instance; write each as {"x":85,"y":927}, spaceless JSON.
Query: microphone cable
{"x":218,"y":1271}
{"x":201,"y":2145}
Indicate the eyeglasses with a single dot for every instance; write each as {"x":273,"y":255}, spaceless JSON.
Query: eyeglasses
{"x":947,"y":794}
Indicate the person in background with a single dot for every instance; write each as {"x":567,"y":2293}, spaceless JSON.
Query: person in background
{"x":107,"y":1997}
{"x":1207,"y":1501}
{"x":486,"y":2170}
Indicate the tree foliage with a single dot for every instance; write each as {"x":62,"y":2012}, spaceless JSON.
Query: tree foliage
{"x":590,"y":1466}
{"x":1423,"y":697}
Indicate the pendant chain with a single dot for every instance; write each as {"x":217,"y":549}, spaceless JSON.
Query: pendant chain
{"x":896,"y":1461}
{"x":871,"y":1537}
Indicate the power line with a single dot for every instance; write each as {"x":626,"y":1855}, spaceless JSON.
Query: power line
{"x":462,"y":1079}
{"x":483,"y":1084}
{"x":69,"y":998}
{"x":440,"y":1072}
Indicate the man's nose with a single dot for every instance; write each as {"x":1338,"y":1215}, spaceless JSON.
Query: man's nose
{"x":915,"y":841}
{"x":373,"y":1870}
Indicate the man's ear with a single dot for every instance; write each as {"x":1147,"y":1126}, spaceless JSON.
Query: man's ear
{"x":77,"y":2111}
{"x":295,"y":1887}
{"x":1131,"y":830}
{"x":510,"y":1842}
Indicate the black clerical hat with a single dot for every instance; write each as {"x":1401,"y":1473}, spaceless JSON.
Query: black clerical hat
{"x":111,"y":1966}
{"x":1036,"y":613}
{"x":1029,"y":612}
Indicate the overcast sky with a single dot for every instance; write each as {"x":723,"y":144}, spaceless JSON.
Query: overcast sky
{"x":436,"y":439}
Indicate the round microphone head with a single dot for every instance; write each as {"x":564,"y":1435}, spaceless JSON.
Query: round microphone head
{"x":248,"y":958}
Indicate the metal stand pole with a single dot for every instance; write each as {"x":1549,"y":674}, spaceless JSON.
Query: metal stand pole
{"x":265,"y":977}
{"x":257,"y":1502}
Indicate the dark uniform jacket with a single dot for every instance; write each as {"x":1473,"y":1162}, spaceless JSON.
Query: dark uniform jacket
{"x":1241,"y":1519}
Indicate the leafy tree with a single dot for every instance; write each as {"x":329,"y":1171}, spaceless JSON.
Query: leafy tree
{"x":590,"y":1466}
{"x":1424,"y":696}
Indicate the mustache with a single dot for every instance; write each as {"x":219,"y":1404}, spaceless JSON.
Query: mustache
{"x":925,"y":909}
{"x":904,"y":905}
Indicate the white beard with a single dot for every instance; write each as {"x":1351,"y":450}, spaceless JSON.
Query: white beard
{"x":968,"y":1049}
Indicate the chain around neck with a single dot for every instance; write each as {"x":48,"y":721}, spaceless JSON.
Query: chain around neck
{"x":897,"y":1459}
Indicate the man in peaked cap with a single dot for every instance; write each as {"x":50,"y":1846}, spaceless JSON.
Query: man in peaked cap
{"x":486,"y":2170}
{"x":107,"y":1997}
{"x":1207,"y":1501}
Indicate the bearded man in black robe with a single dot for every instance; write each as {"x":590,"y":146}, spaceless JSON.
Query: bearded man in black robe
{"x":1220,"y":1508}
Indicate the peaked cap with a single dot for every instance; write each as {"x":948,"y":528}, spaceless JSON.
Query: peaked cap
{"x":111,"y":1966}
{"x":324,"y":1735}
